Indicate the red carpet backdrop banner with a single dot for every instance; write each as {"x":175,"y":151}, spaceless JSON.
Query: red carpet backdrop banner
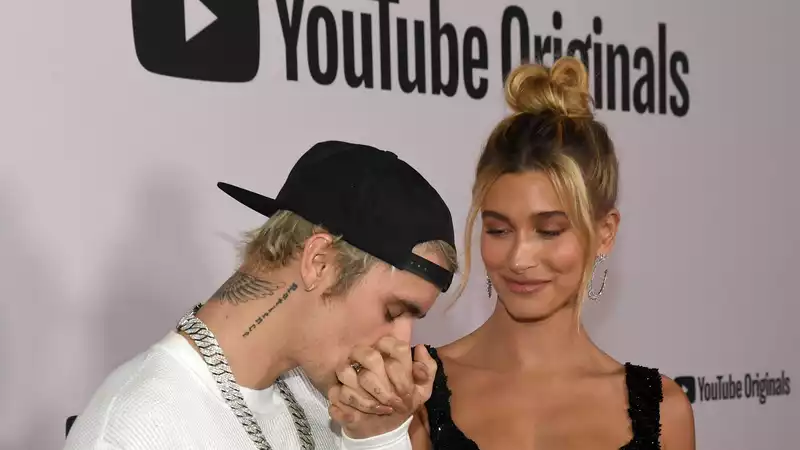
{"x":120,"y":116}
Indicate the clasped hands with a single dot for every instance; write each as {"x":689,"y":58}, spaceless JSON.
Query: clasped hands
{"x":381,"y":388}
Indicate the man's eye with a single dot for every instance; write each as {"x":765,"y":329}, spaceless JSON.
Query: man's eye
{"x":390,"y":317}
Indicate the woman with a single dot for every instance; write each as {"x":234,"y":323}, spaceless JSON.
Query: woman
{"x":530,"y":377}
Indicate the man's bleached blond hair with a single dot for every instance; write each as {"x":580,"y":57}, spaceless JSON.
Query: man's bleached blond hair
{"x":283,"y":236}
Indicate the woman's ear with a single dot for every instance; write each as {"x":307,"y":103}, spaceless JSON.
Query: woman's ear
{"x":607,"y":232}
{"x":316,"y":261}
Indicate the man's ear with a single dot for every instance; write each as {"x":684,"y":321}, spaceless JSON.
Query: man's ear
{"x":607,"y":231}
{"x":316,"y":261}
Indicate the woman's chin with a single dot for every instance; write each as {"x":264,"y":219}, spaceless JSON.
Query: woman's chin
{"x":531,"y":307}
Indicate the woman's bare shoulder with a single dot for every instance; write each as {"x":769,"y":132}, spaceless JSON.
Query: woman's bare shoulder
{"x":455,"y":350}
{"x":677,"y":417}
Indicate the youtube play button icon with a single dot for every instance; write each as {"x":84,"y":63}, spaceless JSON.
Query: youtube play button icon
{"x":208,"y":40}
{"x":197,"y":17}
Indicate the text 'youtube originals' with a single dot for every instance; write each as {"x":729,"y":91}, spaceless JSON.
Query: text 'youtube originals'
{"x":727,"y":387}
{"x":375,"y":48}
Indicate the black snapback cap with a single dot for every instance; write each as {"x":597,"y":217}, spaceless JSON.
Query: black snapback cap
{"x":377,"y":202}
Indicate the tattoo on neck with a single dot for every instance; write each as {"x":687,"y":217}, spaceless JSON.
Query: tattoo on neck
{"x":260,"y":319}
{"x":241,"y":288}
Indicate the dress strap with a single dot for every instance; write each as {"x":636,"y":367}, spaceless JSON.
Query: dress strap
{"x":645,"y":394}
{"x":438,"y":406}
{"x":445,"y":435}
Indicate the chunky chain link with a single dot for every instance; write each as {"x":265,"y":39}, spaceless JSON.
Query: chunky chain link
{"x":218,"y":366}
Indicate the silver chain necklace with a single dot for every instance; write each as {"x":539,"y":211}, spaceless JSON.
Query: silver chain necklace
{"x":218,"y":366}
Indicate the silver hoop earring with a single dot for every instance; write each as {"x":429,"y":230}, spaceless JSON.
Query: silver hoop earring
{"x":594,"y":296}
{"x":488,"y":286}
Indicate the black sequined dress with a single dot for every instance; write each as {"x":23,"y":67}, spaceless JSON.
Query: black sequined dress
{"x":644,"y":399}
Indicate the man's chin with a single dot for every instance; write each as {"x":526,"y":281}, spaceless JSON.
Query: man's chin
{"x":324,"y":384}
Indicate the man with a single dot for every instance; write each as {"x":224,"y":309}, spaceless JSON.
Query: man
{"x":357,"y":245}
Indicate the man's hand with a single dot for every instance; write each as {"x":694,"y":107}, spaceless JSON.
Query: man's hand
{"x":385,"y":392}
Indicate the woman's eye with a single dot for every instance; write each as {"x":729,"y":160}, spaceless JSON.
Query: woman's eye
{"x":551,"y":233}
{"x":496,"y":231}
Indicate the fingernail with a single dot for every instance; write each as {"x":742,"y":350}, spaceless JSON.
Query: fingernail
{"x":382,"y":409}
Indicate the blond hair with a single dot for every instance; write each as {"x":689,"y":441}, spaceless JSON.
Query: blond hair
{"x":552,"y":129}
{"x":283,"y":236}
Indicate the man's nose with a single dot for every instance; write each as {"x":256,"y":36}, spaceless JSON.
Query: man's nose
{"x":401,"y":329}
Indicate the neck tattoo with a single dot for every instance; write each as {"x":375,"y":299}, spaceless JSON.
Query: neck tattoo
{"x":260,"y":319}
{"x":242,"y":288}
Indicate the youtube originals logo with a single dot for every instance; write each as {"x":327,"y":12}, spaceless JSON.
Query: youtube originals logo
{"x":758,"y":386}
{"x":206,"y":40}
{"x":375,"y":46}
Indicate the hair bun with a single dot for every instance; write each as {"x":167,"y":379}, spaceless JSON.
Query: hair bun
{"x":562,"y":89}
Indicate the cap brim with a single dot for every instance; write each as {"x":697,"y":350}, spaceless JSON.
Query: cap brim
{"x":257,"y":202}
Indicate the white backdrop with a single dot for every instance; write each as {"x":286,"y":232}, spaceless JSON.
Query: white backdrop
{"x":111,"y":224}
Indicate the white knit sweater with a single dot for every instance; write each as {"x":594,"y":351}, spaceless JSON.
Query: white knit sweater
{"x":166,"y":399}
